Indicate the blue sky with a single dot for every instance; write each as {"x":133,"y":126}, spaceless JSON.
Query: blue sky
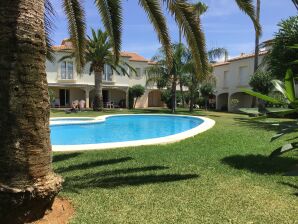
{"x":224,"y":25}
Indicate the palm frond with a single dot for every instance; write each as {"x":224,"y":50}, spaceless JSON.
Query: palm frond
{"x":49,"y":26}
{"x":200,"y":8}
{"x":248,"y":8}
{"x":217,"y":53}
{"x":111,"y":14}
{"x":295,"y":2}
{"x":190,"y":23}
{"x":77,"y":29}
{"x":155,"y":14}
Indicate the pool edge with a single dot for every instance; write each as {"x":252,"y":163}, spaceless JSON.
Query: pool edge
{"x":206,"y":125}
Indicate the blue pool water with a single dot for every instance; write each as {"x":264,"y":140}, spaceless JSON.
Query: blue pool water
{"x":122,"y":128}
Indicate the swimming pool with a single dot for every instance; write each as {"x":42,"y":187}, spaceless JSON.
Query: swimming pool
{"x":123,"y":130}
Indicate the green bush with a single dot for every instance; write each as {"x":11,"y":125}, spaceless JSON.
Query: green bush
{"x":166,"y":96}
{"x":135,"y":92}
{"x":261,"y":82}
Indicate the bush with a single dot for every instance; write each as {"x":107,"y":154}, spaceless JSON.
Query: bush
{"x":135,"y":92}
{"x":261,"y":82}
{"x":166,"y":96}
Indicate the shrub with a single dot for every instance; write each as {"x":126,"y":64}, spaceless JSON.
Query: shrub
{"x":135,"y":92}
{"x":261,"y":82}
{"x":166,"y":96}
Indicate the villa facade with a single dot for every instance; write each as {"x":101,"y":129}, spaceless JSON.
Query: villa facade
{"x":67,"y":85}
{"x":231,"y":76}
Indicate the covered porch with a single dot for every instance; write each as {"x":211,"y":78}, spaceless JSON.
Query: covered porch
{"x":64,"y":95}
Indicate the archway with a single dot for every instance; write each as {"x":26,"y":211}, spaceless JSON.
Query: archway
{"x":222,"y":101}
{"x":240,"y":100}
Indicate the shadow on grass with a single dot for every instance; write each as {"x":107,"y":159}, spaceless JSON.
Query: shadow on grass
{"x":94,"y":164}
{"x":271,"y":125}
{"x":292,"y":186}
{"x":260,"y":164}
{"x":122,"y":181}
{"x":65,"y":156}
{"x":119,"y":178}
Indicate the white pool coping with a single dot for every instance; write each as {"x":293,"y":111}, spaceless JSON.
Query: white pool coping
{"x":207,"y":124}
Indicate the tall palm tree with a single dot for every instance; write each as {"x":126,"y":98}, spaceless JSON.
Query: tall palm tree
{"x":168,"y":76}
{"x":194,"y":81}
{"x":257,"y":37}
{"x":28,"y":185}
{"x":99,"y":54}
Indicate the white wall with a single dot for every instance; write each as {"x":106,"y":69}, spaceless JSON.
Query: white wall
{"x":53,"y":73}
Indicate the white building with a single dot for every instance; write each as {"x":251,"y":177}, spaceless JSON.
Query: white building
{"x":231,"y":76}
{"x":68,"y":86}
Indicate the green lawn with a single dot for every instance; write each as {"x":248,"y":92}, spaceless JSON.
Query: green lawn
{"x":220,"y":176}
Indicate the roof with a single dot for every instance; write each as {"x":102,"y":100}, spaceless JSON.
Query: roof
{"x":241,"y":57}
{"x":66,"y":45}
{"x":133,"y":56}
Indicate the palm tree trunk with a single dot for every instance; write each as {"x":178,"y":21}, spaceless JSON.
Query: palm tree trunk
{"x":257,"y":43}
{"x":28,"y":185}
{"x":98,"y":99}
{"x":174,"y":85}
{"x":191,"y":103}
{"x":182,"y":94}
{"x":257,"y":38}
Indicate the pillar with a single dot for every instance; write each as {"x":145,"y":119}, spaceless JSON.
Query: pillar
{"x":87,"y":90}
{"x":127,"y":98}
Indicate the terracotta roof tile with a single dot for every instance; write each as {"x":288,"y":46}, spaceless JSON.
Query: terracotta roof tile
{"x":133,"y":56}
{"x":67,"y":46}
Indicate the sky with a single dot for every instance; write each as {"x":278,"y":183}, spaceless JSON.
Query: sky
{"x":224,"y":25}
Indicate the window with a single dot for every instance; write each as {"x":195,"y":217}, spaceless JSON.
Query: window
{"x":225,"y":79}
{"x":107,"y":73}
{"x":67,"y":70}
{"x":243,"y":76}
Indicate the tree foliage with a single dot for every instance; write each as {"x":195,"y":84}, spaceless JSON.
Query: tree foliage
{"x":281,"y":56}
{"x":261,"y":82}
{"x":135,"y":92}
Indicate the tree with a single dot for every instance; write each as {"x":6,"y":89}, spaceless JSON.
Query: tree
{"x":295,"y":2}
{"x":166,"y":76}
{"x":261,"y":82}
{"x":99,"y":54}
{"x":207,"y":89}
{"x":28,"y":185}
{"x":193,"y":80}
{"x":257,"y":36}
{"x":280,"y":57}
{"x":136,"y":91}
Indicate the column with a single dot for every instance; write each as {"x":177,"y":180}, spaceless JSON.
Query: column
{"x":127,"y":98}
{"x":87,"y":90}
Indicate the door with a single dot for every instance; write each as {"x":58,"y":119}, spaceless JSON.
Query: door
{"x":105,"y":96}
{"x":64,"y":97}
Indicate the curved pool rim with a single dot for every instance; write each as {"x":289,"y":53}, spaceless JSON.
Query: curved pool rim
{"x":207,"y":124}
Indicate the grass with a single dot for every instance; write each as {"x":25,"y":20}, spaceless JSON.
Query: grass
{"x":223,"y":175}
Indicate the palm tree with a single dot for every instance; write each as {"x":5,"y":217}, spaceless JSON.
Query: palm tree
{"x":99,"y":54}
{"x":295,"y":2}
{"x":257,"y":38}
{"x":194,"y":81}
{"x":28,"y":185}
{"x":168,"y":76}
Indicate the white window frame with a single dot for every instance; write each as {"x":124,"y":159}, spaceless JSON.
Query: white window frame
{"x":66,"y":75}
